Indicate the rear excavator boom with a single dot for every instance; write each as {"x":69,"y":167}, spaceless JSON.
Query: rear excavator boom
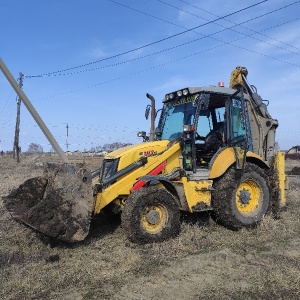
{"x":264,"y":126}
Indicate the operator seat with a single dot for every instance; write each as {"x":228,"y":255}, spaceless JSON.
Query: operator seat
{"x":212,"y":142}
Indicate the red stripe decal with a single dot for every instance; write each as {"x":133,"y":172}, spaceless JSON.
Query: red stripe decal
{"x":155,"y":171}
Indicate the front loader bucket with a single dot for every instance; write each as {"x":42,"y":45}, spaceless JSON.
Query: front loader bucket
{"x":58,"y":204}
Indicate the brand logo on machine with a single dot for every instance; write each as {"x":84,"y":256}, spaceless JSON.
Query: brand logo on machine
{"x":148,"y":153}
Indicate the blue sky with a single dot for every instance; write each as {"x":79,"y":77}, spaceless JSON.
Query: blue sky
{"x":102,"y":93}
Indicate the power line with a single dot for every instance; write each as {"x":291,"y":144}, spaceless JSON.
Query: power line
{"x":235,"y":23}
{"x":8,"y":111}
{"x":226,"y":28}
{"x":175,"y":60}
{"x":174,"y":47}
{"x":167,"y":63}
{"x":128,"y":75}
{"x":204,"y":36}
{"x":186,"y":43}
{"x":6,"y":103}
{"x":231,"y":28}
{"x":149,"y":44}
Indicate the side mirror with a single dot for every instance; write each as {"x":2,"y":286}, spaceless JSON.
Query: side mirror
{"x":143,"y":135}
{"x":147,"y":112}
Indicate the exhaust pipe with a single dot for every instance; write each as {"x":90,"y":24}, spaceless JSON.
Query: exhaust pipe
{"x":152,"y":125}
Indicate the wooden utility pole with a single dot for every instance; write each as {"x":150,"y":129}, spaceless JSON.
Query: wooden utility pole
{"x":16,"y":147}
{"x":67,"y":137}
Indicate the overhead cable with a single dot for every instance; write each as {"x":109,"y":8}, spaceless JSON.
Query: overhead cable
{"x":149,"y":44}
{"x":174,"y":47}
{"x":203,"y":36}
{"x":230,"y":28}
{"x":167,"y":63}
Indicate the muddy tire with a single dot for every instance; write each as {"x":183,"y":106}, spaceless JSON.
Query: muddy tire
{"x":150,"y":215}
{"x":241,"y":200}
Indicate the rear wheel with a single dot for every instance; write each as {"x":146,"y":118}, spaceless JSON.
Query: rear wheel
{"x":241,"y":200}
{"x":151,"y":215}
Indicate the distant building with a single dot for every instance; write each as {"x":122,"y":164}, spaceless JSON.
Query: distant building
{"x":101,"y":153}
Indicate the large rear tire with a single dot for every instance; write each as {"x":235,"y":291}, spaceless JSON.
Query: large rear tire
{"x":241,"y":200}
{"x":150,"y":215}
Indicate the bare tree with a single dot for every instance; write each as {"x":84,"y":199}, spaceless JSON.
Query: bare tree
{"x":114,"y":146}
{"x":35,"y":148}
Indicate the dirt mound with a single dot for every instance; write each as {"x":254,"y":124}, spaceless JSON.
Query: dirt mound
{"x":58,"y":204}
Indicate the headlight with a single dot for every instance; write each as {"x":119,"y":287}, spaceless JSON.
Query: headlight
{"x":185,"y":92}
{"x":179,"y":93}
{"x":109,"y":168}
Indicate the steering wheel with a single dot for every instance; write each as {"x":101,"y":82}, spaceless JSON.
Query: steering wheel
{"x":199,"y":137}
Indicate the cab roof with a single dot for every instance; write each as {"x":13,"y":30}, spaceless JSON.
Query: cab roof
{"x":217,"y":94}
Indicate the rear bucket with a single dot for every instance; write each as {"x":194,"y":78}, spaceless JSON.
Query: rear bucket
{"x":59,"y":204}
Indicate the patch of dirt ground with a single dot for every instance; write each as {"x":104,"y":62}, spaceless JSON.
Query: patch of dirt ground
{"x":209,"y":262}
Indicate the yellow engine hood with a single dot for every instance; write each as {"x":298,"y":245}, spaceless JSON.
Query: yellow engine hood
{"x":132,"y":153}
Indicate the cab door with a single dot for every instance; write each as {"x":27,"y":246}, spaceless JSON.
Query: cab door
{"x":238,"y":129}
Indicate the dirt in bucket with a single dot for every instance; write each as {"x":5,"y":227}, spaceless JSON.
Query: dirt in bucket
{"x":58,"y":204}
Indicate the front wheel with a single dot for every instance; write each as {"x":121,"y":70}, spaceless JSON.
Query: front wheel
{"x":150,"y":215}
{"x":241,"y":200}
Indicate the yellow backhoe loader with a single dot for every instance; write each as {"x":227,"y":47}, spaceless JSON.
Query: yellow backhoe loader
{"x":213,"y":150}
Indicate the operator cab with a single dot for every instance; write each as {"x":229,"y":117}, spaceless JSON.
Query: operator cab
{"x":205,"y":120}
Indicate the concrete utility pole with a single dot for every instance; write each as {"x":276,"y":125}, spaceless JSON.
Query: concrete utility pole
{"x":33,"y":112}
{"x":16,"y":147}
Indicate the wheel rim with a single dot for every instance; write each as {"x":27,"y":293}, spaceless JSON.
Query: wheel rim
{"x":154,"y":218}
{"x":249,"y":197}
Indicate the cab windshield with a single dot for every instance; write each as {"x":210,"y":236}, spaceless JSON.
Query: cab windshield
{"x":175,"y":114}
{"x":212,"y":118}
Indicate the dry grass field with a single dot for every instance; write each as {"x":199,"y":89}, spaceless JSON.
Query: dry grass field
{"x":209,"y":262}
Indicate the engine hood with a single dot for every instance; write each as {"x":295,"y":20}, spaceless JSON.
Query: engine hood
{"x":132,"y":153}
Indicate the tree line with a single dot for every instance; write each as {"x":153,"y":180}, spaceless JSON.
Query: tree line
{"x":35,"y":148}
